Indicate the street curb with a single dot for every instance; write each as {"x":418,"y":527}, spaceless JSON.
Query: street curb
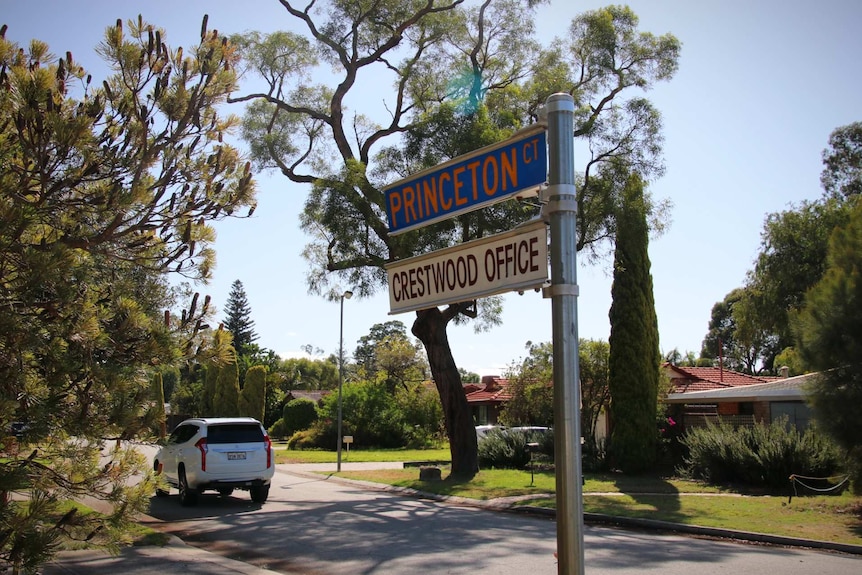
{"x":699,"y":530}
{"x":506,"y":505}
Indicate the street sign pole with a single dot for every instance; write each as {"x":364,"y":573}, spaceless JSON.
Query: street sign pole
{"x":562,"y":210}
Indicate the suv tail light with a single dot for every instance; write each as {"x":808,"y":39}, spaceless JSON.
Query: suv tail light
{"x":268,"y":444}
{"x":202,"y":445}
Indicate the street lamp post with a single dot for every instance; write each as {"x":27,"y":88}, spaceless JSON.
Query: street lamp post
{"x":346,"y":295}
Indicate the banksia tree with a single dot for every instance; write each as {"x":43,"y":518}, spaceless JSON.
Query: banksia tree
{"x":106,"y":187}
{"x":158,"y":409}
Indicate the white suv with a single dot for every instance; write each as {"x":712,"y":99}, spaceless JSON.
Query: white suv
{"x":217,"y":453}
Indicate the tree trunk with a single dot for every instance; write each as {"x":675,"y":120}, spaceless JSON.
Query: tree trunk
{"x":430,"y":328}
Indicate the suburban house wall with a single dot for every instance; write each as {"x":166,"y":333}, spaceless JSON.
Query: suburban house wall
{"x":798,"y":413}
{"x":761,"y":412}
{"x":701,"y":395}
{"x":487,"y":399}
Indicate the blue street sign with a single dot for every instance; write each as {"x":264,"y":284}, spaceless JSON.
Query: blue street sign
{"x":469,"y":182}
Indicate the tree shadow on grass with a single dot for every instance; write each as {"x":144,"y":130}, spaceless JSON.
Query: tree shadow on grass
{"x":479,"y":486}
{"x":653,"y":493}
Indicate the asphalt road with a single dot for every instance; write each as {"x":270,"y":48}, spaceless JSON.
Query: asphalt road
{"x":318,"y":525}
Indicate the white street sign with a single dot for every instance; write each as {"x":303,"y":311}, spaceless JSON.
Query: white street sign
{"x":514,"y":260}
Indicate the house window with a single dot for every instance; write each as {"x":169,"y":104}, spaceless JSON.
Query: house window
{"x":797,"y":412}
{"x":482,"y":415}
{"x":746,"y":408}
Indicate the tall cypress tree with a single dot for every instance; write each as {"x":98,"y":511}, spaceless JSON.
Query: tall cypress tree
{"x":252,"y":398}
{"x":226,"y":400}
{"x":634,"y":349}
{"x":238,"y":318}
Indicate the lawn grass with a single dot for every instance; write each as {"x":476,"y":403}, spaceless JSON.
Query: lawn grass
{"x":824,"y":518}
{"x":493,"y":483}
{"x":827,"y":518}
{"x":283,"y":455}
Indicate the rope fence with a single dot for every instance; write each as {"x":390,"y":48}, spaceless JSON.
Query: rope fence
{"x":798,"y":480}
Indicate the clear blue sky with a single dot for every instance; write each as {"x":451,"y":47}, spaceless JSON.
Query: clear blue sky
{"x":761,"y":84}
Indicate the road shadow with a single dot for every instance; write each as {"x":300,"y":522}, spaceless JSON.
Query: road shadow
{"x":351,"y":529}
{"x":210,"y":504}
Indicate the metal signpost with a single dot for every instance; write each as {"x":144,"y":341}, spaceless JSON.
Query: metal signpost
{"x":562,"y":208}
{"x":510,"y":261}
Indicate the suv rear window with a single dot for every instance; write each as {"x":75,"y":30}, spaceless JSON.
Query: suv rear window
{"x":235,"y":433}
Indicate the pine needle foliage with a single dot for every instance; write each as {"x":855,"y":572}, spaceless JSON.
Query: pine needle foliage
{"x":106,"y":187}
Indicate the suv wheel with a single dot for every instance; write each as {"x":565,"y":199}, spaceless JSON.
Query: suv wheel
{"x":259,"y":494}
{"x":225,"y":491}
{"x":188,"y":496}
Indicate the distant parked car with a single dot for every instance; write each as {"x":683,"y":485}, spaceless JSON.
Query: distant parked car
{"x":218,"y":454}
{"x":531,"y":429}
{"x":482,"y":430}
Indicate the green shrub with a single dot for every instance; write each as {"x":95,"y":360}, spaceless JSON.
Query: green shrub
{"x":277,"y":430}
{"x":760,"y":456}
{"x":298,"y":414}
{"x":422,"y":415}
{"x":507,"y":449}
{"x":312,"y":438}
{"x":594,"y":458}
{"x":369,"y":414}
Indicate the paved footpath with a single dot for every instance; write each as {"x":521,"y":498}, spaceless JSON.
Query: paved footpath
{"x":175,"y":558}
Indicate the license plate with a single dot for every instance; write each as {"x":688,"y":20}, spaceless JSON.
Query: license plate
{"x":234,"y":455}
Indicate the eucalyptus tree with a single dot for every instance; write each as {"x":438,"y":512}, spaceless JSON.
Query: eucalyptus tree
{"x":449,"y":76}
{"x":366,"y":346}
{"x":753,"y":322}
{"x":737,"y":336}
{"x":386,"y":348}
{"x":106,"y":187}
{"x":842,"y":162}
{"x":531,"y":387}
{"x":593,"y":358}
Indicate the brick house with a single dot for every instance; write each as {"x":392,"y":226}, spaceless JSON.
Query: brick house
{"x":487,"y":398}
{"x":315,"y":395}
{"x":701,"y":394}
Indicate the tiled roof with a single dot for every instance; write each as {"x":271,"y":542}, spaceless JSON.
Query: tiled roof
{"x":314,"y":395}
{"x":492,"y":390}
{"x":786,"y":389}
{"x":686,"y":379}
